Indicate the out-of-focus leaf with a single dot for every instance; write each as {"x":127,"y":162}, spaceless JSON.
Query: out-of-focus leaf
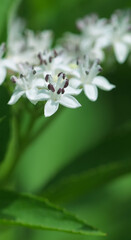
{"x":4,"y":122}
{"x":7,"y":8}
{"x":107,"y":161}
{"x":34,"y":212}
{"x":47,"y":14}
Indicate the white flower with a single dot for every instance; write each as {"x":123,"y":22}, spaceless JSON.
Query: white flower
{"x":40,"y":41}
{"x":86,"y":77}
{"x":52,"y":62}
{"x":27,"y":84}
{"x":58,"y":92}
{"x":22,"y":47}
{"x":121,"y":35}
{"x":4,"y":64}
{"x":95,"y":36}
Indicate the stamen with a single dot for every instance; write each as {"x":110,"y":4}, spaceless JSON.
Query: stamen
{"x":21,"y":75}
{"x":40,"y":58}
{"x":50,"y":59}
{"x":64,"y":75}
{"x":44,"y":61}
{"x":100,"y":69}
{"x":87,"y":72}
{"x":13,"y":79}
{"x":50,"y":87}
{"x":77,"y":61}
{"x":47,"y":77}
{"x":60,"y":74}
{"x":98,"y":61}
{"x":59,"y":91}
{"x":62,"y":90}
{"x":34,"y":72}
{"x":66,"y":83}
{"x":55,"y":53}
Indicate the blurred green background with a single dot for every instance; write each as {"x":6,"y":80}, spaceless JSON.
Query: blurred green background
{"x":107,"y":207}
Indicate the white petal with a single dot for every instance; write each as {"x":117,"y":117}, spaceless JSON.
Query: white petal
{"x":91,"y":91}
{"x":103,"y":83}
{"x":127,"y":38}
{"x":39,"y":82}
{"x":2,"y":74}
{"x":75,"y":83}
{"x":15,"y":97}
{"x":10,"y":64}
{"x":72,"y":91}
{"x":69,"y":101}
{"x":34,"y":95}
{"x":50,"y":108}
{"x":121,"y":51}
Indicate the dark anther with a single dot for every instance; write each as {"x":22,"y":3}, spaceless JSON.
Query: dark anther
{"x":86,"y":72}
{"x":66,"y":83}
{"x":59,"y":91}
{"x":100,"y":69}
{"x":40,"y":58}
{"x":21,"y":75}
{"x":60,"y":74}
{"x":62,"y":90}
{"x":50,"y":87}
{"x":44,"y":61}
{"x":13,"y":79}
{"x":77,"y":61}
{"x":98,"y":61}
{"x":64,"y":75}
{"x":55,"y":53}
{"x":34,"y":72}
{"x":50,"y":59}
{"x":47,"y":77}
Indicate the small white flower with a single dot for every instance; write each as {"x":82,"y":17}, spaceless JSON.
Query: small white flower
{"x":121,"y":35}
{"x":40,"y":41}
{"x":86,"y":77}
{"x":23,"y":47}
{"x":4,"y":64}
{"x":52,"y":62}
{"x":58,"y":92}
{"x":94,"y":38}
{"x":27,"y":84}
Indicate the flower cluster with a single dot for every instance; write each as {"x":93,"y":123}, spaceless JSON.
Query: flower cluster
{"x":98,"y":35}
{"x":55,"y":76}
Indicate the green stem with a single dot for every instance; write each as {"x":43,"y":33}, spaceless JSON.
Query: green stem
{"x":18,"y":145}
{"x":12,"y":155}
{"x":42,"y":128}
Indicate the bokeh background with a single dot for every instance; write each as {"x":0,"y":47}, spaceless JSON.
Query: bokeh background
{"x":76,"y":131}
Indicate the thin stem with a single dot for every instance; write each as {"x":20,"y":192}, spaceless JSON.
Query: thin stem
{"x":42,"y":128}
{"x":12,"y":155}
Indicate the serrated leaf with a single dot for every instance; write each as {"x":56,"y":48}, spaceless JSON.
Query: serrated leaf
{"x":107,"y":161}
{"x":33,"y":212}
{"x":4,"y":122}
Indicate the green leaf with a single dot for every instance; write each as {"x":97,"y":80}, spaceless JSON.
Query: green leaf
{"x":33,"y":212}
{"x":94,"y":168}
{"x":4,"y":122}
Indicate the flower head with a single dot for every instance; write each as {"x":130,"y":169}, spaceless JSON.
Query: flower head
{"x":27,"y":84}
{"x":121,"y":35}
{"x":23,"y":46}
{"x":58,"y":92}
{"x":86,"y":77}
{"x":52,"y":62}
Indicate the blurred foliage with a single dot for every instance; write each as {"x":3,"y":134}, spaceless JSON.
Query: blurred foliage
{"x":5,"y":116}
{"x":76,"y":131}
